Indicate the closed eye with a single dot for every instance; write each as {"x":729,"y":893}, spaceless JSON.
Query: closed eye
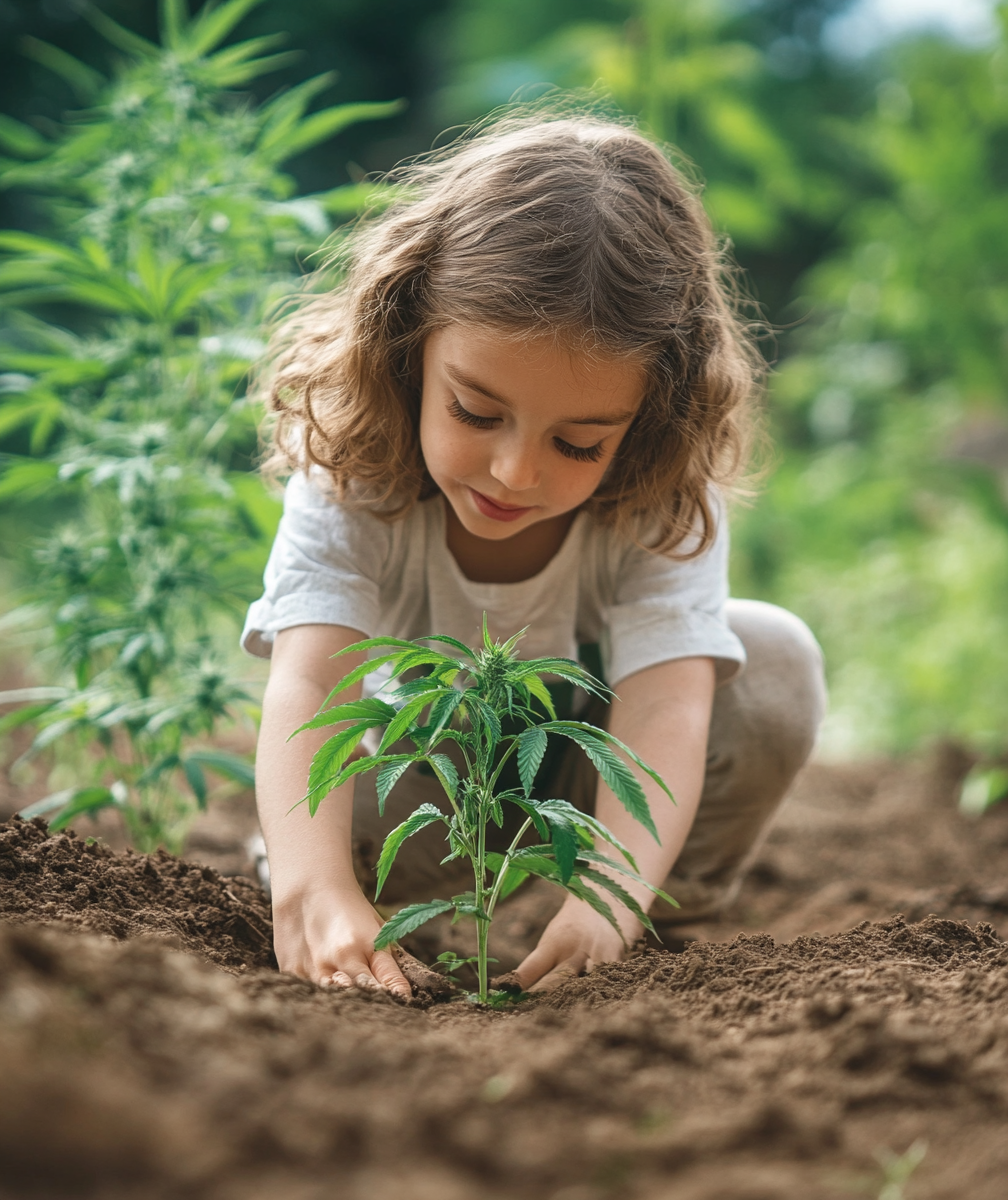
{"x":579,"y":453}
{"x":471,"y":418}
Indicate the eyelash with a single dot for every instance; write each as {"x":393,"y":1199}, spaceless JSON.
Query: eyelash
{"x":470,"y":418}
{"x":588,"y":454}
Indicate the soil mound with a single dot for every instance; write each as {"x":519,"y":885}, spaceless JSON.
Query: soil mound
{"x":149,"y":1049}
{"x":80,"y":882}
{"x":747,"y":1071}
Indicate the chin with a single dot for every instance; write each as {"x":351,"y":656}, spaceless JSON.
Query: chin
{"x":495,"y":531}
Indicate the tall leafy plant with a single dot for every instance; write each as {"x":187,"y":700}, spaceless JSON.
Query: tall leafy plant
{"x":491,"y":707}
{"x":127,"y":330}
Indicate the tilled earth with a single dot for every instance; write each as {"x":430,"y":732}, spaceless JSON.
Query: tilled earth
{"x":797,"y":1049}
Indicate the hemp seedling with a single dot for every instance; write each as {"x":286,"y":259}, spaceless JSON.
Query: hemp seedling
{"x":464,"y":699}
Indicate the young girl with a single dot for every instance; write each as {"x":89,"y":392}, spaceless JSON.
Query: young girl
{"x":523,"y":400}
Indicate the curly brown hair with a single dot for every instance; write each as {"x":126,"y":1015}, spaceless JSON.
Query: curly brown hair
{"x":572,"y":225}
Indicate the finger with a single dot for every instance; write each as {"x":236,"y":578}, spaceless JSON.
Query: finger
{"x":337,"y":979}
{"x":354,"y":973}
{"x":384,"y":969}
{"x":569,"y":969}
{"x":535,"y":966}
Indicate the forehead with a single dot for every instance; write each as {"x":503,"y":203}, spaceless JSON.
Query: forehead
{"x":535,"y":370}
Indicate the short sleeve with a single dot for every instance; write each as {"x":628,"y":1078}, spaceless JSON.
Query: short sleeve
{"x":665,"y":608}
{"x":324,"y":569}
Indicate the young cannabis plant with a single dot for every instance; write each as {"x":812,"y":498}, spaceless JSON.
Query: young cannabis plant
{"x":464,"y":699}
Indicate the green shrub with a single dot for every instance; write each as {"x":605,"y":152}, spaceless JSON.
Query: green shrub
{"x":128,"y":331}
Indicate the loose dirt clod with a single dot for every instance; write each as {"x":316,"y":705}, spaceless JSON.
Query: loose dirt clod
{"x":750,"y":1069}
{"x":64,"y":878}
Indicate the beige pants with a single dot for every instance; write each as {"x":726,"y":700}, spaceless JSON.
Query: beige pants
{"x":763,"y":727}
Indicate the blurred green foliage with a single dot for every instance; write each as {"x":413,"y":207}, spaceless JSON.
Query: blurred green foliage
{"x":125,"y":343}
{"x":869,"y":205}
{"x":886,"y":523}
{"x":864,"y":201}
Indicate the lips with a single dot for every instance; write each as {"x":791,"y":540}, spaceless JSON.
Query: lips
{"x":496,"y":511}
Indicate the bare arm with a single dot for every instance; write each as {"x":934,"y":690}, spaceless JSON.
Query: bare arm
{"x":662,"y":713}
{"x":324,"y":928}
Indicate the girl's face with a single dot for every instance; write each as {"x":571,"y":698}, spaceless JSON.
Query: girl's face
{"x":518,"y":431}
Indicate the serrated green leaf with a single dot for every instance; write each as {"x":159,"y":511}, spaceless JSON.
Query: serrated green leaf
{"x":575,"y":886}
{"x":445,"y":770}
{"x":442,"y":712}
{"x":405,"y":717}
{"x":425,"y":815}
{"x":407,"y":919}
{"x":531,"y":809}
{"x":356,"y":767}
{"x":541,"y":692}
{"x":592,"y":856}
{"x":389,"y":776}
{"x":634,"y":757}
{"x":424,"y":657}
{"x":513,"y":877}
{"x":450,"y":641}
{"x":327,"y":763}
{"x":531,"y":750}
{"x":481,"y":713}
{"x":351,"y":677}
{"x":374,"y":644}
{"x":564,"y":840}
{"x":371,"y":709}
{"x":537,"y":860}
{"x":614,"y":772}
{"x":619,"y":892}
{"x":587,"y":822}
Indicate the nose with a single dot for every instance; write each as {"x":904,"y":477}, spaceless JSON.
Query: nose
{"x":516,"y":466}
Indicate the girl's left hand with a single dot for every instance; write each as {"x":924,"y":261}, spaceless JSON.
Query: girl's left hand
{"x":576,"y":940}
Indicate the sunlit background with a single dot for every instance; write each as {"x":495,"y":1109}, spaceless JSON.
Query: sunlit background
{"x":855,"y":156}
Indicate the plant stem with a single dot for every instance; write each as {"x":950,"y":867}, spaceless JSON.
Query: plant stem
{"x":482,"y":925}
{"x":483,"y":936}
{"x":498,"y":882}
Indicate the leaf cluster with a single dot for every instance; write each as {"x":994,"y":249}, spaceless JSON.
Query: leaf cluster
{"x":485,"y":705}
{"x":128,"y":327}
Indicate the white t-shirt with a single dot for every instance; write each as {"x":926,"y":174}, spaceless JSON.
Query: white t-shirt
{"x":336,"y":565}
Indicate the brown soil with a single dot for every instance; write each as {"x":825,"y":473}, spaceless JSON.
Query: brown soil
{"x":148,"y":1049}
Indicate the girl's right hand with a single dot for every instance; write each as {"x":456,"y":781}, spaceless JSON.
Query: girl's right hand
{"x":328,"y":937}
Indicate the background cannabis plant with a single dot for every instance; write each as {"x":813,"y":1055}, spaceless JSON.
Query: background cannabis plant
{"x":471,"y":700}
{"x":126,"y":436}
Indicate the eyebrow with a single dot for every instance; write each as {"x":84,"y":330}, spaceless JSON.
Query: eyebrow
{"x":473,"y":385}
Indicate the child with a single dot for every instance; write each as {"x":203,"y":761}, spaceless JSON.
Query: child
{"x":522,"y":400}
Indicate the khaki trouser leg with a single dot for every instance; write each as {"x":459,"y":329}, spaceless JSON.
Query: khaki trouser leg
{"x":763,"y":727}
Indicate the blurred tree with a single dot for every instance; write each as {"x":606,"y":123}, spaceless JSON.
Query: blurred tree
{"x":886,"y":523}
{"x":742,"y":91}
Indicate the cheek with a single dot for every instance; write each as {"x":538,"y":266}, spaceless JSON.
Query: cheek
{"x":581,"y":479}
{"x":448,"y":448}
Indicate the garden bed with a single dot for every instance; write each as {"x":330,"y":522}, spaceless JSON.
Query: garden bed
{"x":149,"y":1048}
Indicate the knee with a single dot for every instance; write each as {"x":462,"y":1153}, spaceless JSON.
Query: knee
{"x":783,"y":687}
